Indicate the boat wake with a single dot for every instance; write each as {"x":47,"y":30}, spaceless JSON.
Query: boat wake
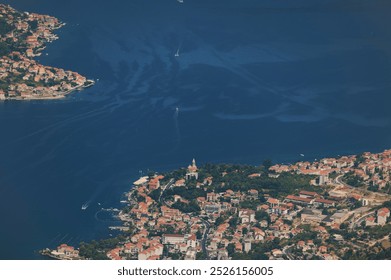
{"x":85,"y":205}
{"x":177,"y":130}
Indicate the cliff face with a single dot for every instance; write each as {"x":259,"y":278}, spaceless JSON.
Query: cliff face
{"x":22,"y":37}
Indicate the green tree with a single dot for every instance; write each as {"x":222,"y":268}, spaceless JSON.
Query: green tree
{"x":230,"y":249}
{"x":155,"y":194}
{"x":262,"y":215}
{"x":200,"y":256}
{"x":233,"y":222}
{"x":34,"y":24}
{"x":5,"y":28}
{"x":4,"y":49}
{"x":199,"y":234}
{"x":267,"y":163}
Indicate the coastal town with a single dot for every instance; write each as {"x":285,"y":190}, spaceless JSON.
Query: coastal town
{"x":24,"y":36}
{"x":331,"y":209}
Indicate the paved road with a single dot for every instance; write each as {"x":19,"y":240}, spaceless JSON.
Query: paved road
{"x":359,"y":220}
{"x":339,"y":181}
{"x":163,"y":190}
{"x":206,"y":224}
{"x":287,"y":251}
{"x":205,"y":238}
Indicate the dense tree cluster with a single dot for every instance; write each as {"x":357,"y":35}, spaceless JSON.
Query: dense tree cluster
{"x":191,"y":207}
{"x":97,"y":250}
{"x":4,"y":27}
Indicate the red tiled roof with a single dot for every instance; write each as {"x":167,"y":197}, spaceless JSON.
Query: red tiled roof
{"x":298,"y":198}
{"x":324,"y":201}
{"x":308,"y":193}
{"x":173,"y":235}
{"x":272,"y":200}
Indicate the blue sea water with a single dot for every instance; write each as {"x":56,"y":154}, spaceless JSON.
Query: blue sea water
{"x":254,"y":79}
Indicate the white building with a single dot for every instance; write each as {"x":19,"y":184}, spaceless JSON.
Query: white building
{"x":247,"y":216}
{"x":173,"y":238}
{"x":247,"y":245}
{"x":192,"y":171}
{"x":382,"y":215}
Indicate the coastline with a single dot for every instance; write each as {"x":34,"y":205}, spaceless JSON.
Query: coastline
{"x":48,"y":253}
{"x":60,"y":95}
{"x":158,"y":202}
{"x":22,"y":77}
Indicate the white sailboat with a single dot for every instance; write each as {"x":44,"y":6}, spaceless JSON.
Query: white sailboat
{"x":177,"y":53}
{"x":180,"y":1}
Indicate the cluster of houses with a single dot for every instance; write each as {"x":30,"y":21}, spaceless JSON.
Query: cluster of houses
{"x":307,"y":220}
{"x":36,"y":29}
{"x":379,"y":218}
{"x":143,"y":248}
{"x":146,"y":216}
{"x":373,"y":169}
{"x":24,"y":78}
{"x":139,"y":247}
{"x":282,"y":220}
{"x":310,"y":248}
{"x":233,"y":229}
{"x":65,"y":252}
{"x":35,"y":79}
{"x":223,"y":227}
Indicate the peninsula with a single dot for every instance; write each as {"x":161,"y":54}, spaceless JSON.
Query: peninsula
{"x":22,"y":37}
{"x":334,"y":208}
